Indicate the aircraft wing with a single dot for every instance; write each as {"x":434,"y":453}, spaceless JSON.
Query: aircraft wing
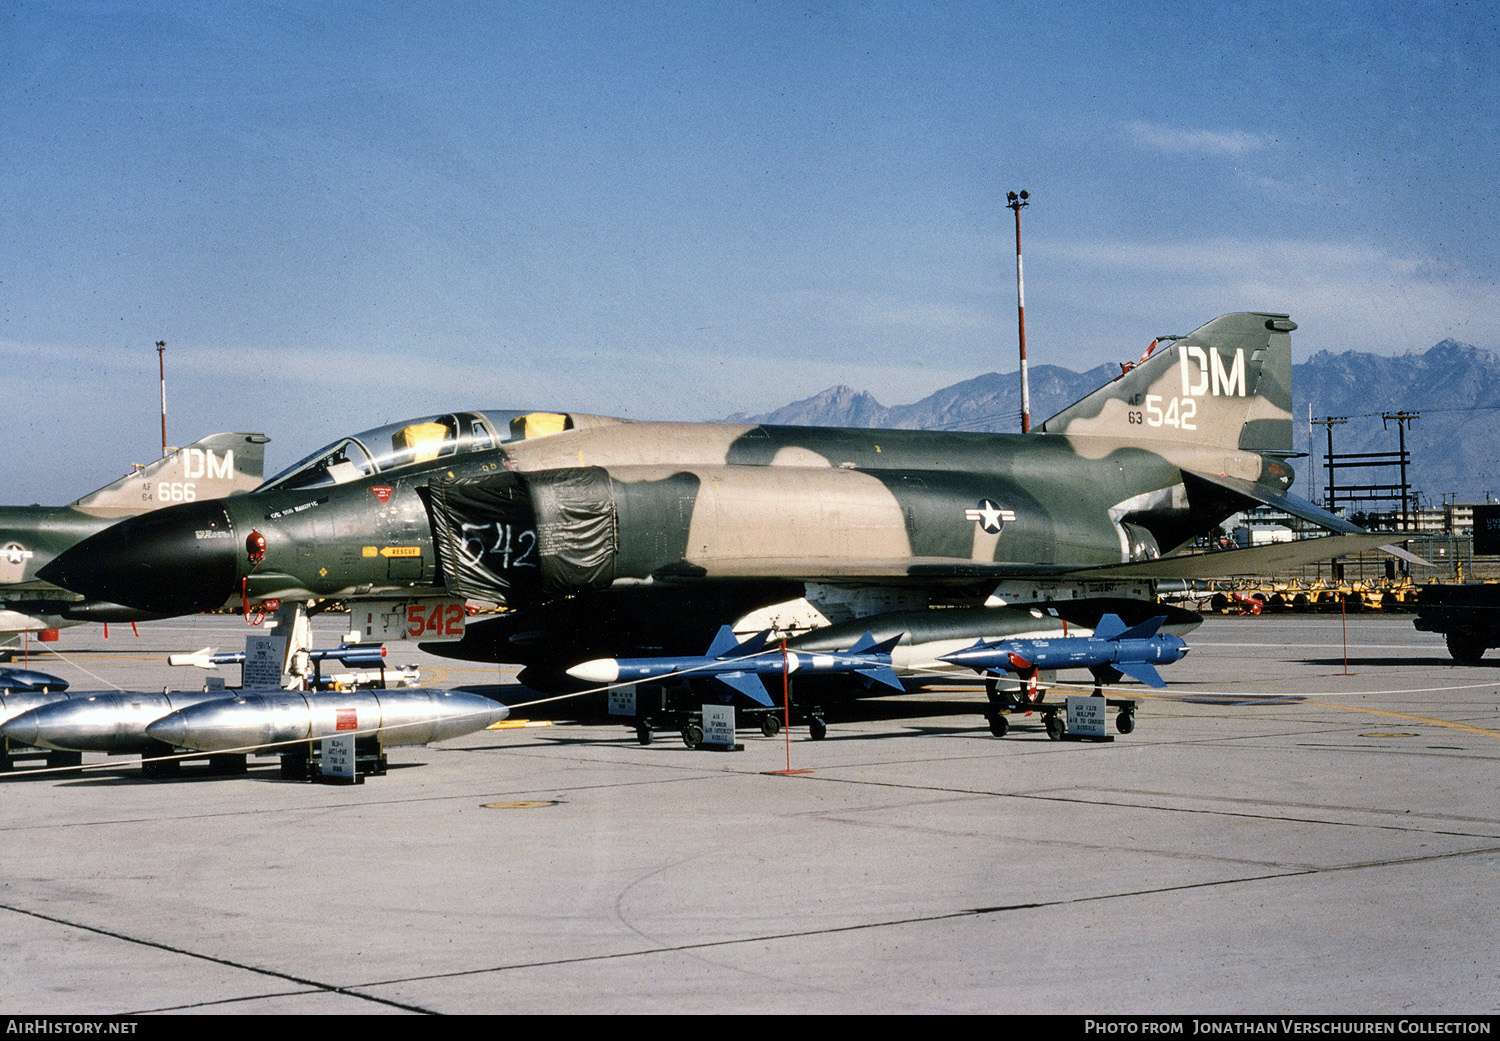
{"x":878,"y":571}
{"x":1300,"y":508}
{"x":1255,"y":560}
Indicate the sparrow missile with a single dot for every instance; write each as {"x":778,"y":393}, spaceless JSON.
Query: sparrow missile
{"x":1113,"y":648}
{"x":405,"y":716}
{"x":29,"y":681}
{"x":740,"y":666}
{"x":109,"y":722}
{"x":353,"y":655}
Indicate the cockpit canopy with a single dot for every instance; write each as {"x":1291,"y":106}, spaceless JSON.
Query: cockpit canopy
{"x":414,"y":441}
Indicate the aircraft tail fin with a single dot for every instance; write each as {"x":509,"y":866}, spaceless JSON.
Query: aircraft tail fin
{"x":1227,"y":383}
{"x":218,"y":465}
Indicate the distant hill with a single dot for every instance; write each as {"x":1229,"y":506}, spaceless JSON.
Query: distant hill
{"x":1455,"y":444}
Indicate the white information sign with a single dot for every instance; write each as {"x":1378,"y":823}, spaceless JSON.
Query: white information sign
{"x":718,"y":725}
{"x":622,"y":701}
{"x":265,"y":657}
{"x":338,"y":756}
{"x":1086,"y":716}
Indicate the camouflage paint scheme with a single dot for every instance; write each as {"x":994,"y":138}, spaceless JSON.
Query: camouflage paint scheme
{"x":31,"y":536}
{"x":616,"y":537}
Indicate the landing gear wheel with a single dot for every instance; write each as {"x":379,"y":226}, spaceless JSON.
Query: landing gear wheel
{"x":1125,"y":722}
{"x":993,"y":692}
{"x":1466,"y":648}
{"x":770,"y":724}
{"x":816,"y":728}
{"x":1057,"y":726}
{"x":999,"y":725}
{"x":643,"y":733}
{"x":692,"y":735}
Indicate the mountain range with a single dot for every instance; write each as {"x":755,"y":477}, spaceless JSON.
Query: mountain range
{"x":1454,"y":441}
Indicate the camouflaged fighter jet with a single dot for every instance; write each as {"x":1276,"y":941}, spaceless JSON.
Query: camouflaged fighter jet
{"x":31,"y":536}
{"x":616,"y":538}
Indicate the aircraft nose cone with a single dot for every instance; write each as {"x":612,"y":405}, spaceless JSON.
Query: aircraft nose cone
{"x":177,"y":560}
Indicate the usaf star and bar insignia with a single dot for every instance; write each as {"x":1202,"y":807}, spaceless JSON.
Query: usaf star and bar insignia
{"x":990,"y":515}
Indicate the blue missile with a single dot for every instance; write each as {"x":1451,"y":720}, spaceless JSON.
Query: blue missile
{"x":1133,"y":651}
{"x":28,"y":681}
{"x":740,"y":665}
{"x":353,"y":655}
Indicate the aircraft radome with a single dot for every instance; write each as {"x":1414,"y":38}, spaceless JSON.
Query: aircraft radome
{"x":612,"y":538}
{"x":31,"y":536}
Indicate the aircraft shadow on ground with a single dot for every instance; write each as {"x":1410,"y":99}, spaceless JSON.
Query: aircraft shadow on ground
{"x":592,"y":710}
{"x":1386,"y":661}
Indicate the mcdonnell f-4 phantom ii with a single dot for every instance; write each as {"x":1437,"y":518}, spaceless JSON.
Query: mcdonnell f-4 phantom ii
{"x":31,"y":536}
{"x":613,"y":538}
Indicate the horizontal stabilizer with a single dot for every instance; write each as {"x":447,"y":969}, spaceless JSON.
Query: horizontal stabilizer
{"x":1284,"y":501}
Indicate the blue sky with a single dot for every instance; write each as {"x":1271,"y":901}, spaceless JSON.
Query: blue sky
{"x":341,"y":214}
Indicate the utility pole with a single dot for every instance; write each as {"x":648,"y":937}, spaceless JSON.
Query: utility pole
{"x":1015,"y":202}
{"x":1329,"y":422}
{"x":1403,"y":420}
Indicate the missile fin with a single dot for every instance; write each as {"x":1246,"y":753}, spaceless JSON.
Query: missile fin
{"x":1142,"y":671}
{"x":723,"y":643}
{"x":1110,"y":627}
{"x":747,"y":684}
{"x":727,"y":645}
{"x":1145,"y":630}
{"x":882,"y":674}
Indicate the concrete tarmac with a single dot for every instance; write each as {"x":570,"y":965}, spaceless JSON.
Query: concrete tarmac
{"x":1278,"y":835}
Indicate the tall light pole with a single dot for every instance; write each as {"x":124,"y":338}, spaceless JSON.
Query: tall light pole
{"x":1015,"y":202}
{"x":161,"y":364}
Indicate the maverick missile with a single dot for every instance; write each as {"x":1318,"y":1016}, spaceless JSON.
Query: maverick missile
{"x":406,"y":716}
{"x":1111,"y":650}
{"x":740,"y":666}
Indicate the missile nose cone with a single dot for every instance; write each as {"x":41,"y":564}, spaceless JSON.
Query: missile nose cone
{"x":177,"y":560}
{"x":169,"y":730}
{"x":600,"y":670}
{"x":20,"y":730}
